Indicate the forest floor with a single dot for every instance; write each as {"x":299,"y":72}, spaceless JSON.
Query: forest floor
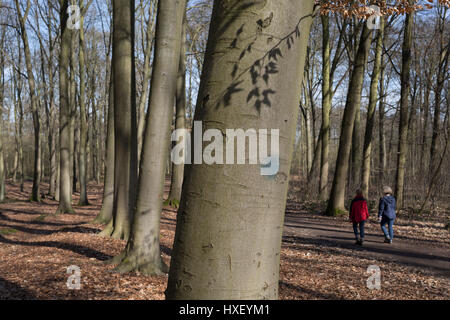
{"x":318,"y":259}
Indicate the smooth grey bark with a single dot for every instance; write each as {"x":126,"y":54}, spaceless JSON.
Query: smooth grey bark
{"x":142,"y":251}
{"x":404,"y":109}
{"x":18,"y":116}
{"x":176,"y":182}
{"x":230,"y":221}
{"x":65,"y":196}
{"x":2,"y":97}
{"x":106,"y":213}
{"x":146,"y":78}
{"x":83,"y":120}
{"x":125,"y":126}
{"x":73,"y":113}
{"x":336,"y":201}
{"x":35,"y":193}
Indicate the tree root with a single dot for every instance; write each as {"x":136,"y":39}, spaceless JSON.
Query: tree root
{"x":131,"y":262}
{"x":107,"y":232}
{"x":63,"y":210}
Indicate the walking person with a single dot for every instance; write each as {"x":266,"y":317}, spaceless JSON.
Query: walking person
{"x":358,"y":214}
{"x":386,"y":214}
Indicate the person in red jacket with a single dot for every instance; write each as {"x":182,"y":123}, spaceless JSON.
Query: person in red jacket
{"x":359,"y":213}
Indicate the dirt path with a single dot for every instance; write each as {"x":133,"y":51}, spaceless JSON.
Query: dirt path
{"x":430,"y":256}
{"x":318,"y":257}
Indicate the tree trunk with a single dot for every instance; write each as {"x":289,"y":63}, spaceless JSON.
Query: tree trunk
{"x":440,"y":81}
{"x":2,"y":96}
{"x":336,"y":201}
{"x":142,"y":252}
{"x":373,"y":97}
{"x":35,"y":193}
{"x":65,"y":196}
{"x":326,"y":108}
{"x":83,"y":125}
{"x":106,"y":213}
{"x":230,"y":221}
{"x":404,"y":109}
{"x":146,"y":78}
{"x":382,"y":135}
{"x":125,"y":145}
{"x":180,"y":120}
{"x":356,"y":152}
{"x":72,"y":118}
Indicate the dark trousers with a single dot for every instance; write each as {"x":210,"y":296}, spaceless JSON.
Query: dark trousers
{"x":361,"y":229}
{"x":388,"y":232}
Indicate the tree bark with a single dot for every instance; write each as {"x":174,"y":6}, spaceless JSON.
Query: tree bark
{"x":35,"y":193}
{"x":65,"y":196}
{"x":125,"y":126}
{"x":146,"y":78}
{"x":142,"y":252}
{"x":336,"y":201}
{"x":180,"y":120}
{"x":83,"y":125}
{"x":326,"y":108}
{"x":404,"y":109}
{"x":230,"y":221}
{"x":106,"y":212}
{"x":373,"y":97}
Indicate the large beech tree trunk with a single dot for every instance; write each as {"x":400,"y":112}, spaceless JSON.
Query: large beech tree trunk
{"x":35,"y":193}
{"x":142,"y":252}
{"x":230,"y":221}
{"x":125,"y":136}
{"x":336,"y":201}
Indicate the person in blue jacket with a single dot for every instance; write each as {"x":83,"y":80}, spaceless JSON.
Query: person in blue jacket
{"x":386,"y":214}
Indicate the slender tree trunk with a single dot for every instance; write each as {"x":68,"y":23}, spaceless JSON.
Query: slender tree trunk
{"x":72,"y":118}
{"x":125,"y":145}
{"x":142,"y":252}
{"x":83,"y":125}
{"x":373,"y":97}
{"x":336,"y":201}
{"x":35,"y":193}
{"x":426,"y":111}
{"x":147,"y":73}
{"x":381,"y":132}
{"x":440,"y":80}
{"x":106,"y":213}
{"x":2,"y":96}
{"x":180,"y":120}
{"x":326,"y":108}
{"x":356,"y":152}
{"x":230,"y":221}
{"x":404,"y":109}
{"x":65,"y":196}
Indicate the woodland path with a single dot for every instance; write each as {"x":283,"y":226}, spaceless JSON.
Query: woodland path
{"x":427,"y":254}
